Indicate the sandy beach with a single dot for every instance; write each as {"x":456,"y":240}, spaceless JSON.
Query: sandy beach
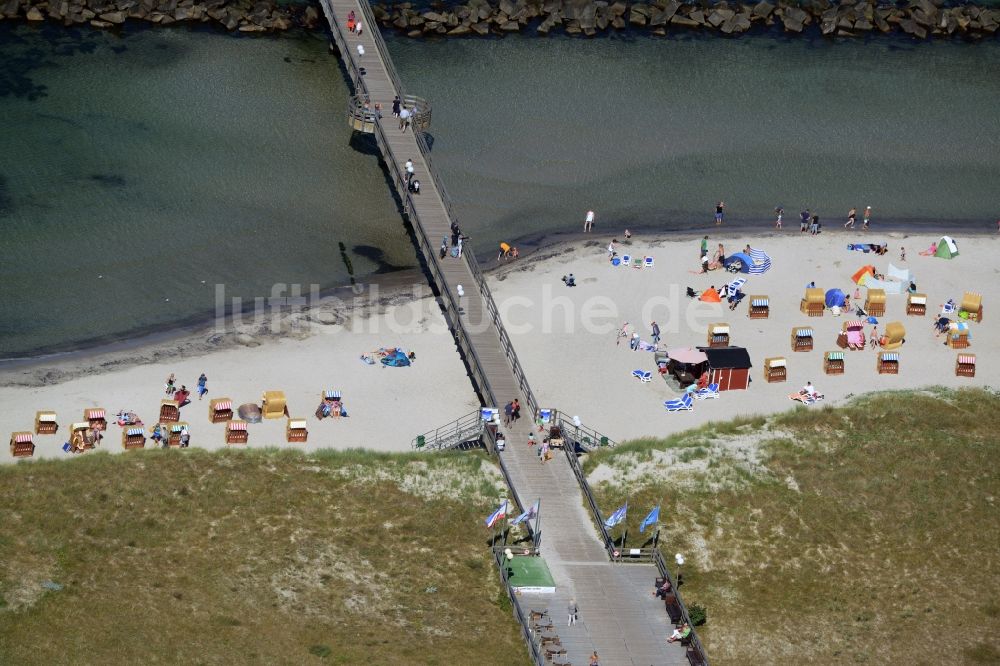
{"x":566,"y":337}
{"x":300,"y":353}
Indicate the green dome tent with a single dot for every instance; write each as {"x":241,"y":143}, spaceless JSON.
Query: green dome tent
{"x":946,"y":248}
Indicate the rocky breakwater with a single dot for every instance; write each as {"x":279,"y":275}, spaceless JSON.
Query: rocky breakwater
{"x":920,"y":19}
{"x":241,"y":15}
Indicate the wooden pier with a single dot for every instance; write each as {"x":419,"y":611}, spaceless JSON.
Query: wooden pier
{"x":618,"y":615}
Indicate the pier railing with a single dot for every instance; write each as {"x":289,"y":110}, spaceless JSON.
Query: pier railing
{"x":465,"y":429}
{"x":397,"y":173}
{"x":534,"y":644}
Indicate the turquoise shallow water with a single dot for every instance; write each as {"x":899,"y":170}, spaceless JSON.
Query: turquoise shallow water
{"x":164,"y":158}
{"x":530,"y":133}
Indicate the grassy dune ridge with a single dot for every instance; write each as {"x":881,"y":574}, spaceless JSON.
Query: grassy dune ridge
{"x":868,"y":533}
{"x":251,"y":557}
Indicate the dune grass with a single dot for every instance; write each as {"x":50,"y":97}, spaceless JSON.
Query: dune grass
{"x":868,"y":533}
{"x":251,"y":557}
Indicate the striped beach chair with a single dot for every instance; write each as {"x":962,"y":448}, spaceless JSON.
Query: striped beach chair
{"x":965,"y":365}
{"x":133,"y":438}
{"x":22,"y":444}
{"x":236,"y":432}
{"x":760,"y":307}
{"x":833,"y":362}
{"x":802,"y":339}
{"x":888,"y":363}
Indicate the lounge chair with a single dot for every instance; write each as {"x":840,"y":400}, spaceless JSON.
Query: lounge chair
{"x":642,"y":376}
{"x":710,"y":391}
{"x":683,"y":404}
{"x":647,"y":262}
{"x":626,"y":260}
{"x":949,"y":308}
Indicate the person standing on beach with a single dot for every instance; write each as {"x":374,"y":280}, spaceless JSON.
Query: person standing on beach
{"x":656,"y":332}
{"x":852,"y":216}
{"x":720,"y":211}
{"x":804,"y":220}
{"x":395,"y":106}
{"x":611,"y":248}
{"x":202,"y":386}
{"x":622,"y":333}
{"x":814,"y":225}
{"x":703,"y":250}
{"x":902,"y":254}
{"x":588,"y":222}
{"x":867,"y":218}
{"x":170,"y":384}
{"x":779,"y":212}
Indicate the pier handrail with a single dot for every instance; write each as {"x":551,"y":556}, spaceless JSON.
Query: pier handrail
{"x":529,"y":637}
{"x":428,"y":248}
{"x":696,"y":647}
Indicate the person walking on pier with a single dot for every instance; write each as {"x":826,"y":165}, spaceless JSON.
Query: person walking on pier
{"x":588,"y":222}
{"x":395,"y":106}
{"x":515,"y":411}
{"x":409,"y":170}
{"x":404,"y":118}
{"x":351,"y":21}
{"x":573,"y":611}
{"x":357,"y":29}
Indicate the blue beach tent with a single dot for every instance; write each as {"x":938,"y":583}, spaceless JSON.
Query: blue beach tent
{"x":835,"y":297}
{"x":745,"y":261}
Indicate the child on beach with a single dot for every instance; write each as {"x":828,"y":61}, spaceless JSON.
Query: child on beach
{"x":202,"y":386}
{"x":779,"y":211}
{"x":170,"y":384}
{"x":867,"y":218}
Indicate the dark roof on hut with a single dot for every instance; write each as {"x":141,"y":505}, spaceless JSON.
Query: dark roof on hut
{"x":727,"y":357}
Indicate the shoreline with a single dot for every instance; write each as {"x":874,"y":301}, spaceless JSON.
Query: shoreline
{"x":533,"y":247}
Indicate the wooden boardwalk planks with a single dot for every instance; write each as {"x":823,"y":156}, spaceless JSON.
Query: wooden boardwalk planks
{"x":619,"y":617}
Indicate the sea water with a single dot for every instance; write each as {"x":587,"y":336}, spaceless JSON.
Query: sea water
{"x":139,"y":170}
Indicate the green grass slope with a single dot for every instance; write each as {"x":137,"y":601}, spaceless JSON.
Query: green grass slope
{"x":251,"y":557}
{"x":868,"y":533}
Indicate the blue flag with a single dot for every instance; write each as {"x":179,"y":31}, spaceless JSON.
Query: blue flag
{"x":617,"y":517}
{"x":651,"y":519}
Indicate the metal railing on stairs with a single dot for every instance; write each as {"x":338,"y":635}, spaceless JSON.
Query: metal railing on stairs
{"x":459,"y":432}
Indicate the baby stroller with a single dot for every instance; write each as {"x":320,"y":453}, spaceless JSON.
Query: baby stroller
{"x":860,"y":311}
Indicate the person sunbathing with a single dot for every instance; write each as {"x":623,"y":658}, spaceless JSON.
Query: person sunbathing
{"x":680,"y":633}
{"x":810,"y":391}
{"x":941,"y":326}
{"x":930,"y":252}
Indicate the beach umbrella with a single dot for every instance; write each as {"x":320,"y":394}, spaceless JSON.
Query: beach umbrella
{"x":863,"y":272}
{"x":687,"y":355}
{"x":710,"y":296}
{"x":250,"y":413}
{"x":835,"y":297}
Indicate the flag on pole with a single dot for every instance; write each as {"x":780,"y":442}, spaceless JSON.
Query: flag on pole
{"x":530,"y":513}
{"x":617,"y":517}
{"x":497,"y":515}
{"x":651,"y":519}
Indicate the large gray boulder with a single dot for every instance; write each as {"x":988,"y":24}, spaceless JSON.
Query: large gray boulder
{"x":113,"y":17}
